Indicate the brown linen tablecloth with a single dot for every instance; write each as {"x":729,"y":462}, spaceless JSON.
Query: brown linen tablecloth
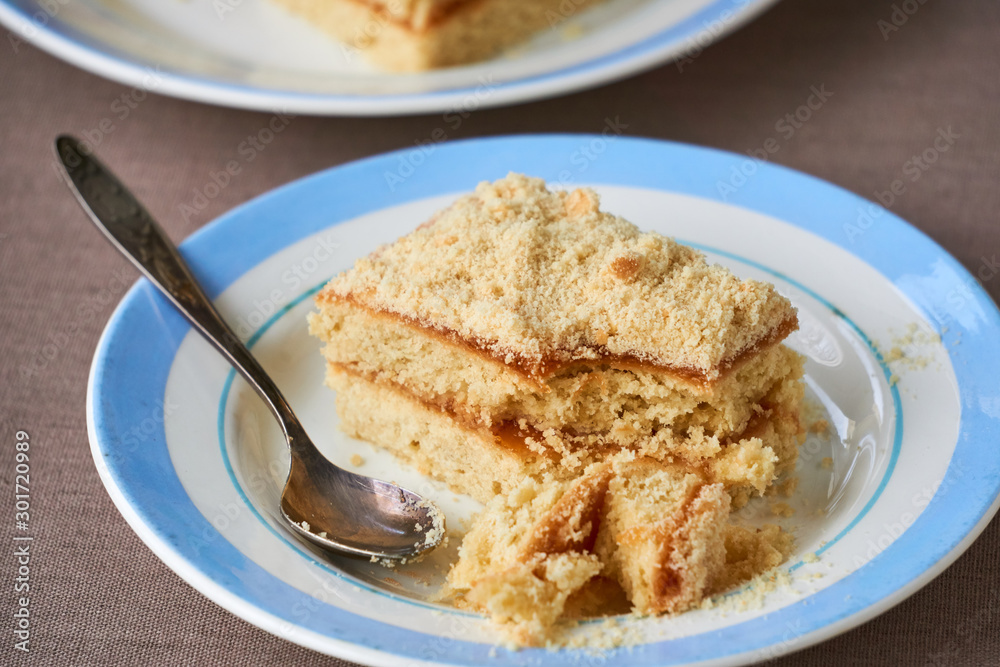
{"x":99,"y":596}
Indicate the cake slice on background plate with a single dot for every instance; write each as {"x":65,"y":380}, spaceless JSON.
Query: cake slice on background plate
{"x":415,"y":35}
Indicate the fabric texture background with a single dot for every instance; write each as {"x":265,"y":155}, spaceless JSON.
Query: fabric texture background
{"x":99,"y":596}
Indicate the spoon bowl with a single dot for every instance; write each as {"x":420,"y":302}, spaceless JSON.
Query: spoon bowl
{"x":370,"y":518}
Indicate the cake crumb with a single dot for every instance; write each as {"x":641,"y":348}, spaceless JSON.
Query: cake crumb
{"x":826,"y":463}
{"x":357,"y":460}
{"x":782,"y":509}
{"x":810,"y":557}
{"x":387,"y":562}
{"x":753,"y":595}
{"x":305,"y":525}
{"x":421,"y":579}
{"x":436,"y":532}
{"x":910,"y":350}
{"x":820,"y":427}
{"x":784,"y":488}
{"x":572,"y":32}
{"x":894,"y":354}
{"x":607,"y":634}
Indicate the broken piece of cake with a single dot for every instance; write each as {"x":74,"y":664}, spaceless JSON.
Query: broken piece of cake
{"x":416,"y":35}
{"x":655,"y":529}
{"x":529,"y":552}
{"x":551,"y":360}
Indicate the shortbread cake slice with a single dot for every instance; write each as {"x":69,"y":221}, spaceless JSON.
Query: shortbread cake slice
{"x":524,"y":331}
{"x":609,"y":395}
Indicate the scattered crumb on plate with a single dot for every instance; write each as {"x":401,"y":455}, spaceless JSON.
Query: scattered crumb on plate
{"x":819,"y":427}
{"x":782,"y":509}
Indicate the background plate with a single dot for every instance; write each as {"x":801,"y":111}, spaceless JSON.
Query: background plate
{"x":194,"y":464}
{"x":257,"y":56}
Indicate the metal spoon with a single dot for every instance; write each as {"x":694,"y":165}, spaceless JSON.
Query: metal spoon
{"x":335,"y":509}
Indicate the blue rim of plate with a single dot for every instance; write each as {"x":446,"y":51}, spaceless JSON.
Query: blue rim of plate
{"x":65,"y":42}
{"x":134,"y":356}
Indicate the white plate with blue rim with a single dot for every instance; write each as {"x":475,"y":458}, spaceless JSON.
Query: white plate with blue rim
{"x":902,"y":347}
{"x":253,"y":54}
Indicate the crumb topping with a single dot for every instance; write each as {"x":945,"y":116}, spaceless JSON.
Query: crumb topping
{"x":539,"y":277}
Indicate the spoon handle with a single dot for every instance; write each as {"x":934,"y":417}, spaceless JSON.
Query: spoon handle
{"x":131,"y":229}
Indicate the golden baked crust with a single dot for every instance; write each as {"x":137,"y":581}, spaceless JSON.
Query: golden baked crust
{"x":540,"y":279}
